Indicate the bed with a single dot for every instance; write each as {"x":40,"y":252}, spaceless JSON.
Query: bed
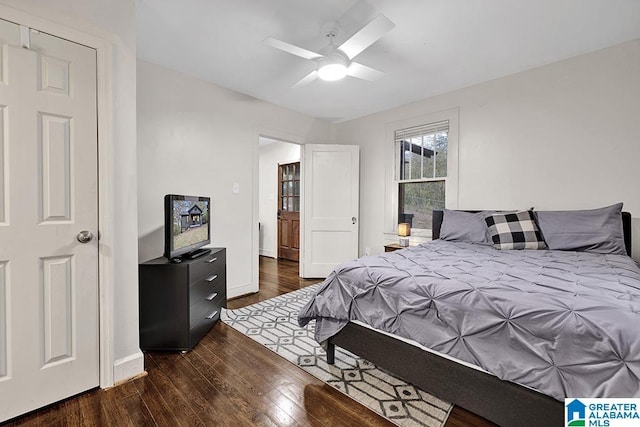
{"x":455,"y":357}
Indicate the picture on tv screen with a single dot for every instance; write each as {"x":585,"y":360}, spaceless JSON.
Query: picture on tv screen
{"x":190,"y":223}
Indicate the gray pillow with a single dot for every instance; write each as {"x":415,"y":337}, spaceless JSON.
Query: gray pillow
{"x":595,"y":230}
{"x":468,"y":227}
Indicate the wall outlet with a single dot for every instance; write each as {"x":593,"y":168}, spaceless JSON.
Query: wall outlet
{"x":367,"y":251}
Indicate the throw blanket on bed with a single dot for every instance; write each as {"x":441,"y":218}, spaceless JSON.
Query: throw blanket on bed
{"x":564,"y":323}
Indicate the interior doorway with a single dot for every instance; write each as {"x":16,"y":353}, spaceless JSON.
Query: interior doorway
{"x":279,"y":187}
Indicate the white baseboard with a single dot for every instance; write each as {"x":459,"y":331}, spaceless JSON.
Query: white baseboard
{"x":267,"y":252}
{"x":128,"y":367}
{"x":237,"y":291}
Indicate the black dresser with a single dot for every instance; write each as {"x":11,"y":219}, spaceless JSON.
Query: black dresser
{"x":179,"y":303}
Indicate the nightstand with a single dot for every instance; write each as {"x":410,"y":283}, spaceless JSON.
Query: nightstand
{"x":393,"y":247}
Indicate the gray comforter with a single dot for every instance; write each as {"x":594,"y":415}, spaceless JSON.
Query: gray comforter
{"x":564,"y":323}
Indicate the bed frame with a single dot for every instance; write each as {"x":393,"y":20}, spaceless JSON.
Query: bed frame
{"x":503,"y":402}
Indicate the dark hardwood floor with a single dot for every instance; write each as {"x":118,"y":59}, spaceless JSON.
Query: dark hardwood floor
{"x":277,"y":277}
{"x":227,"y":380}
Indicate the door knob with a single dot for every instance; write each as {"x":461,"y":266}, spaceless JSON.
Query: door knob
{"x":353,"y":220}
{"x":84,"y":236}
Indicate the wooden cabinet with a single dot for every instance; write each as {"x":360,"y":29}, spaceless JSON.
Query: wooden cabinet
{"x":393,"y":247}
{"x":179,"y":303}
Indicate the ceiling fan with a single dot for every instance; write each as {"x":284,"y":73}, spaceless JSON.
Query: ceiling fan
{"x":336,"y":62}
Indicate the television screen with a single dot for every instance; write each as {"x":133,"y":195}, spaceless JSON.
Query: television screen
{"x":186,"y":224}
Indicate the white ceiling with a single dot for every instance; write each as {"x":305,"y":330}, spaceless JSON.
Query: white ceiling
{"x":437,"y":45}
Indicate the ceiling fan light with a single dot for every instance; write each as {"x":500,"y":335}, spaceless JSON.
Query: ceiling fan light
{"x":332,"y":72}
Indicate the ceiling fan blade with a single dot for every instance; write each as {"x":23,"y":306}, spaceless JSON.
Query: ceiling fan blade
{"x":292,"y":49}
{"x":306,"y":79}
{"x":367,"y":35}
{"x":363,"y":72}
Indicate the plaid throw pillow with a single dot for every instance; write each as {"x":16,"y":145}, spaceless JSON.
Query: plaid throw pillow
{"x":515,"y":231}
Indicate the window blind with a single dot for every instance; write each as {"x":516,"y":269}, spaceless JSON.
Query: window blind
{"x":431,"y":128}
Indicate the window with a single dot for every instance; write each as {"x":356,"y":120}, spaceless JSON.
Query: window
{"x":421,"y":172}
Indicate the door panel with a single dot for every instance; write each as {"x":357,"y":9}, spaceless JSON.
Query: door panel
{"x":54,"y":150}
{"x":48,"y":280}
{"x":57,"y":309}
{"x":331,"y":185}
{"x":331,"y":204}
{"x":3,"y":158}
{"x":295,"y":234}
{"x":3,"y":320}
{"x":283,"y":231}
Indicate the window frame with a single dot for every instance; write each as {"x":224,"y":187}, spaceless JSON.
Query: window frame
{"x":392,"y":181}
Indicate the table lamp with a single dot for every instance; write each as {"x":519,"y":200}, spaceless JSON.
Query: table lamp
{"x":404,"y":231}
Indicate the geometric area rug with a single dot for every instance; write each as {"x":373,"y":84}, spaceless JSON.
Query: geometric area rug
{"x":274,"y":324}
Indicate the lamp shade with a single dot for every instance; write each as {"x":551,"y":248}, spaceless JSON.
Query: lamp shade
{"x":404,"y":229}
{"x":332,"y":72}
{"x":333,"y":67}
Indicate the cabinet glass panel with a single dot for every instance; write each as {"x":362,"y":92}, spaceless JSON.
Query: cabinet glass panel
{"x":296,"y":204}
{"x":290,"y":203}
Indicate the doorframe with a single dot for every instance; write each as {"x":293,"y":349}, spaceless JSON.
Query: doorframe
{"x":284,"y":136}
{"x":102,"y":42}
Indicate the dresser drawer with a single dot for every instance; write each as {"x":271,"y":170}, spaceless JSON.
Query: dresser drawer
{"x":200,"y":329}
{"x":207,"y":265}
{"x":206,"y":308}
{"x":205,"y":288}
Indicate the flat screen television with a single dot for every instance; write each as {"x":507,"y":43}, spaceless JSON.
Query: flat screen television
{"x":186,"y":225}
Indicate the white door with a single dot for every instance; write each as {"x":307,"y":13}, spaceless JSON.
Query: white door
{"x":330,"y":200}
{"x":48,"y":194}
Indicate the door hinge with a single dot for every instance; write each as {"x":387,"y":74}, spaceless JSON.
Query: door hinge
{"x":25,"y":37}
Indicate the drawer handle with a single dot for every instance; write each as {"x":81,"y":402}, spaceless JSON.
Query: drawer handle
{"x":212,"y":296}
{"x":209,"y":261}
{"x":212,"y":315}
{"x":212,"y":278}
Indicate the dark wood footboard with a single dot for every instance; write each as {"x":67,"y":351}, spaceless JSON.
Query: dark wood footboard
{"x":502,"y":402}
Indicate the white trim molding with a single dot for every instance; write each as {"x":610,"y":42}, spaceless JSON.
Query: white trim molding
{"x":268,"y":253}
{"x":391,"y":186}
{"x":236,"y":291}
{"x":128,"y":367}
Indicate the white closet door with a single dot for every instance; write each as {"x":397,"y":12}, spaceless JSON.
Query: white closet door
{"x":48,"y":195}
{"x":331,"y":198}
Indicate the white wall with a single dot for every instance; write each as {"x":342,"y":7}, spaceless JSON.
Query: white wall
{"x":270,"y":156}
{"x":563,"y":136}
{"x":198,"y":138}
{"x":113,"y":21}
